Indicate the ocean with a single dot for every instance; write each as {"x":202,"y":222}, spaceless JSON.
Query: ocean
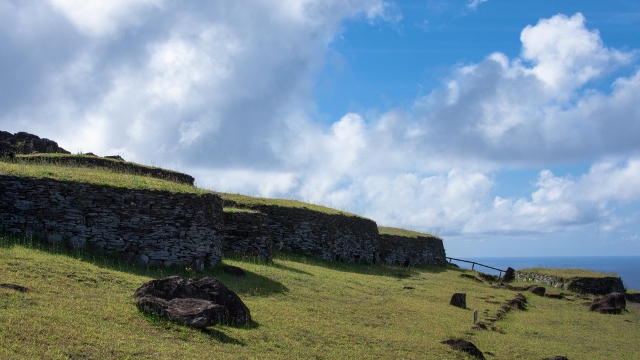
{"x":627,"y":267}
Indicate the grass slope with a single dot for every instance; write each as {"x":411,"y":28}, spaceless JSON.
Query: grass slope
{"x":385,"y":230}
{"x":79,"y":306}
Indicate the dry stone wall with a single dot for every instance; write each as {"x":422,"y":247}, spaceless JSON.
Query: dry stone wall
{"x":406,"y":251}
{"x":335,"y":237}
{"x":247,"y":233}
{"x":152,"y":227}
{"x":585,"y":285}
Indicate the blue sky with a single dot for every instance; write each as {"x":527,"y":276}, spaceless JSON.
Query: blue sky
{"x":509,"y":128}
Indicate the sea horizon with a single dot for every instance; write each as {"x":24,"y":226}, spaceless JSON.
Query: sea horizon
{"x":626,"y":267}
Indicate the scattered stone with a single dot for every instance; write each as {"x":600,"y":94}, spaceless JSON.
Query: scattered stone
{"x":459,"y":300}
{"x":467,"y":276}
{"x":509,"y":275}
{"x":556,"y":358}
{"x":463,"y":345}
{"x":194,"y":302}
{"x":555,"y":296}
{"x":233,"y":270}
{"x":612,"y":303}
{"x":480,"y":325}
{"x":538,"y":290}
{"x":487,"y":277}
{"x":408,"y":287}
{"x":519,"y":302}
{"x":14,"y":287}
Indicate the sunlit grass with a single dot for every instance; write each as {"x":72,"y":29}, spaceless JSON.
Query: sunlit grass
{"x":385,"y":230}
{"x":79,"y":305}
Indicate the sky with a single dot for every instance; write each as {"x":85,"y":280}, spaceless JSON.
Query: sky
{"x":508,"y":128}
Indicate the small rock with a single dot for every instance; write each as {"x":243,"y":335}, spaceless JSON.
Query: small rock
{"x":14,"y":287}
{"x":454,"y":265}
{"x":408,"y":287}
{"x":556,"y":358}
{"x":612,"y":303}
{"x":459,"y":300}
{"x":233,"y":270}
{"x":463,"y":345}
{"x":538,"y":290}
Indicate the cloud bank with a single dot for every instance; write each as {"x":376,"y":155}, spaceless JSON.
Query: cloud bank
{"x":224,"y":91}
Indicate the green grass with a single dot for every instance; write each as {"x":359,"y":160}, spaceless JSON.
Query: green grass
{"x":94,"y":176}
{"x":251,"y":201}
{"x":384,"y":230}
{"x":566,"y":273}
{"x":80,"y":306}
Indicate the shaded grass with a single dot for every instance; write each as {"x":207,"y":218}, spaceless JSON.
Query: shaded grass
{"x":566,"y":273}
{"x":385,"y":230}
{"x":79,"y":305}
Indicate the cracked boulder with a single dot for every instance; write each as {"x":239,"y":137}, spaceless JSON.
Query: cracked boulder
{"x":198,"y":303}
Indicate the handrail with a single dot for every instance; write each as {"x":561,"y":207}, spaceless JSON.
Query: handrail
{"x":473,"y":263}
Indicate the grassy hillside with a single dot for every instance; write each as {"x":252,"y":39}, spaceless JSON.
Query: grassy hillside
{"x":79,"y":306}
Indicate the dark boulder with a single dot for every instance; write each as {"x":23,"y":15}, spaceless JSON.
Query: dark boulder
{"x":612,"y":303}
{"x":538,"y":290}
{"x":509,"y":275}
{"x":209,"y":301}
{"x":463,"y":345}
{"x":556,"y":358}
{"x":635,"y":298}
{"x":196,"y":313}
{"x":459,"y":300}
{"x":233,"y":270}
{"x":454,"y":265}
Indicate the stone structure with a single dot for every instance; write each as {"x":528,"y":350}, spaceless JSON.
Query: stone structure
{"x":153,"y":227}
{"x":336,"y":237}
{"x":25,"y":143}
{"x":409,"y":251}
{"x":585,"y":285}
{"x":246,"y":233}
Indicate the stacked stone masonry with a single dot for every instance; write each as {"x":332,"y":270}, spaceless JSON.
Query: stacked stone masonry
{"x":247,"y":234}
{"x":585,"y":285}
{"x":335,"y":237}
{"x":160,"y":228}
{"x":152,"y":227}
{"x":405,"y":251}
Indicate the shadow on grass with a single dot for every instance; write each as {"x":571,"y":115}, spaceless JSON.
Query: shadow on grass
{"x":252,"y":284}
{"x":221,"y":337}
{"x":367,"y":269}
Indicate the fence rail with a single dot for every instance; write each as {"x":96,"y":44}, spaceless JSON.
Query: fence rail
{"x":473,"y":263}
